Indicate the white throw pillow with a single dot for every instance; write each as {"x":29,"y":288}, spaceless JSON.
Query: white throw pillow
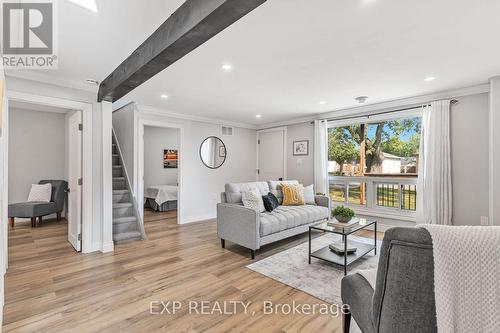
{"x":253,"y":200}
{"x":309,"y":195}
{"x":40,"y":192}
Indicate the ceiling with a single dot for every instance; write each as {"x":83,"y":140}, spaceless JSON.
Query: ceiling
{"x":288,"y":55}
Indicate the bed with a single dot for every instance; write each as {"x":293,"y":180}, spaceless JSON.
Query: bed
{"x":161,"y":198}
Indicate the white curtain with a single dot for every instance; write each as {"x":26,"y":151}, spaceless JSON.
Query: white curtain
{"x":320,"y":156}
{"x":434,"y":199}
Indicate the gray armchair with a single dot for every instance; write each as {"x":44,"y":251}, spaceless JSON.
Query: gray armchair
{"x":35,"y":210}
{"x":403,"y":299}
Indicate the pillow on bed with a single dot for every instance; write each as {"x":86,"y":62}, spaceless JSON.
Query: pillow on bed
{"x":253,"y":200}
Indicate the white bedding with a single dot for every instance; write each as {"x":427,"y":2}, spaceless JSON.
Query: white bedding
{"x":161,"y":193}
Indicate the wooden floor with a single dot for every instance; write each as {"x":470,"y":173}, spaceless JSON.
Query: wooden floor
{"x":50,"y":288}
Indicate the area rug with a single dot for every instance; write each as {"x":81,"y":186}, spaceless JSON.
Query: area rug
{"x":319,"y":279}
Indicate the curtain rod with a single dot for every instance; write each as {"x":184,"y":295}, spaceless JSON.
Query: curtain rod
{"x":453,"y":101}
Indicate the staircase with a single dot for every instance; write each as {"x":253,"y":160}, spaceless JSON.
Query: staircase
{"x":127,"y":224}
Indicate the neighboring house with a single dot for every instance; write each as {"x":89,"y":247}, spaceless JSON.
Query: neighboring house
{"x":409,"y":164}
{"x":390,"y":165}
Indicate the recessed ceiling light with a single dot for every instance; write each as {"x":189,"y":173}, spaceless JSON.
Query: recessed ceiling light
{"x":322,"y":102}
{"x":92,"y":82}
{"x":227,"y":67}
{"x":429,"y":79}
{"x":258,"y":116}
{"x":361,"y":99}
{"x":164,"y":96}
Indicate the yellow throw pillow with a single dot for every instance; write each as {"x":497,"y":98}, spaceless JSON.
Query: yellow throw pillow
{"x":293,"y":195}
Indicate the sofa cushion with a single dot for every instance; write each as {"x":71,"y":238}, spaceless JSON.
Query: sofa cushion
{"x":234,"y":190}
{"x":293,"y":195}
{"x":288,"y":217}
{"x":32,"y":209}
{"x":309,"y":196}
{"x":270,"y":202}
{"x":275,"y":187}
{"x":253,"y":200}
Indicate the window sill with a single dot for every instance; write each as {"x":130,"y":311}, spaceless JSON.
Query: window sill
{"x":382,"y":212}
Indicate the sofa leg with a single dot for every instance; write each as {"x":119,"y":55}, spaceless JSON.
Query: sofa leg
{"x":223,"y":243}
{"x":252,"y":253}
{"x":11,"y":222}
{"x":33,"y":222}
{"x":58,"y":216}
{"x":346,"y":320}
{"x":39,"y":223}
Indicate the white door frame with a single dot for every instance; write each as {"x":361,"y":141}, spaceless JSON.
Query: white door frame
{"x":275,"y":129}
{"x":86,"y":110}
{"x":139,"y":175}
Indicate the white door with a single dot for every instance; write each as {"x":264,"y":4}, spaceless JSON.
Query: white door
{"x":271,"y":155}
{"x":74,"y":174}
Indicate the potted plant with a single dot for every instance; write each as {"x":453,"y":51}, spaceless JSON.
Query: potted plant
{"x":343,"y":214}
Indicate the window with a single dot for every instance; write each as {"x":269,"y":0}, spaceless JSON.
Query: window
{"x":375,"y":165}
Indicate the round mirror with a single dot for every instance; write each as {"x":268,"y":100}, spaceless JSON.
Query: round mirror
{"x":213,"y":152}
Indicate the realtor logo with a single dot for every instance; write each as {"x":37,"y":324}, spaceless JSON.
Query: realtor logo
{"x":28,"y":35}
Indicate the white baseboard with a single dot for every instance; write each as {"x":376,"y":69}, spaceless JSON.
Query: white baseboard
{"x":108,"y":247}
{"x":199,"y":219}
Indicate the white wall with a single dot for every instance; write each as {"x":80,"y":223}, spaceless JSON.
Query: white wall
{"x":201,"y":186}
{"x":156,"y":139}
{"x":124,"y":127}
{"x":300,"y":168}
{"x":469,"y":150}
{"x":494,"y":140}
{"x":37,"y":150}
{"x":4,"y":119}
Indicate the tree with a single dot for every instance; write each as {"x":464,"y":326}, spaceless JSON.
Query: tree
{"x":344,"y":142}
{"x":341,"y":147}
{"x":373,"y":149}
{"x":401,"y":148}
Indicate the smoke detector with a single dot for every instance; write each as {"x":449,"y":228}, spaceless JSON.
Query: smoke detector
{"x":361,"y":99}
{"x":92,"y":82}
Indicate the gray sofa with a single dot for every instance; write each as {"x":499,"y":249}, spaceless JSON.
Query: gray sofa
{"x":36,"y":209}
{"x":403,"y":299}
{"x":252,"y":229}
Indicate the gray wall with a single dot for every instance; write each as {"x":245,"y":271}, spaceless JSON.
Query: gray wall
{"x":300,"y":167}
{"x":469,"y":141}
{"x":201,"y":186}
{"x":156,"y":139}
{"x":469,"y":137}
{"x":37,"y":150}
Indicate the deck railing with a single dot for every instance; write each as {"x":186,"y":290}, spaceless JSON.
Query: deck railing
{"x":395,"y":193}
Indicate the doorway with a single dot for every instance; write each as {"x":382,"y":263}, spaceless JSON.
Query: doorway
{"x":271,"y":154}
{"x":45,"y":171}
{"x":68,"y":107}
{"x":159,"y":170}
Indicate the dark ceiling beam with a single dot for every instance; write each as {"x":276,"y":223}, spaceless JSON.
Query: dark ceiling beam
{"x":191,"y":25}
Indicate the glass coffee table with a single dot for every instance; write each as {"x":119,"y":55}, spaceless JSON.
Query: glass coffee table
{"x":344,"y":259}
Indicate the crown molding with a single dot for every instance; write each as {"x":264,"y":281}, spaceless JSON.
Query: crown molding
{"x":39,"y":77}
{"x":385,"y":106}
{"x":165,"y":113}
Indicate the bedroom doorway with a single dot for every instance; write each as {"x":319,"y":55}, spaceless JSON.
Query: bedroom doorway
{"x":159,"y":172}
